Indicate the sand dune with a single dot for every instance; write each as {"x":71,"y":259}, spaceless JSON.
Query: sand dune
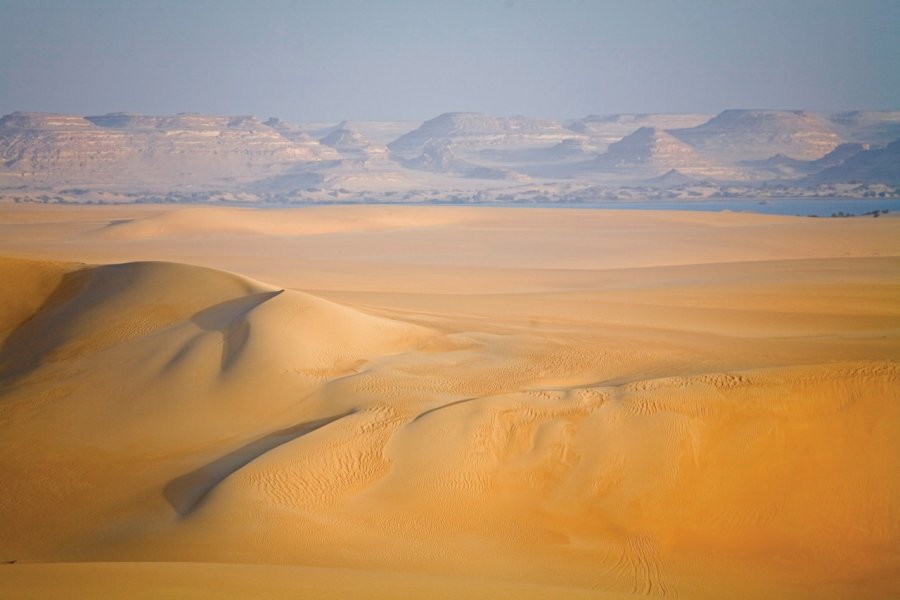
{"x":712,"y":413}
{"x":230,"y":221}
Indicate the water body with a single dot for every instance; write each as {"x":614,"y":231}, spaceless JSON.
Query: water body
{"x":820,"y":207}
{"x":802,"y":207}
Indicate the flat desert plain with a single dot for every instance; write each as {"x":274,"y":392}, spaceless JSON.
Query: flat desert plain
{"x":447,"y":402}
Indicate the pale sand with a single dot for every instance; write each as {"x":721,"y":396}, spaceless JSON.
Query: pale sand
{"x":467,"y":401}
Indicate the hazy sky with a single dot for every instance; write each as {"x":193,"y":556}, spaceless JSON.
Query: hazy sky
{"x":328,"y":60}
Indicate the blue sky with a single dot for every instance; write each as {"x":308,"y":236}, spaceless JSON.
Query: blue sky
{"x":411,"y":60}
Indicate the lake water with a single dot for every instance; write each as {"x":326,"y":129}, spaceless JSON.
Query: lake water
{"x":821,"y":207}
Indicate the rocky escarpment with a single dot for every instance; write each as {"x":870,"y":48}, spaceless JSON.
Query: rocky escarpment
{"x":126,"y":152}
{"x":474,"y":131}
{"x":758,"y":134}
{"x":352,"y":144}
{"x":649,"y":152}
{"x":140,"y":149}
{"x":866,"y":126}
{"x":781,"y":166}
{"x":880,"y":165}
{"x":603,"y":130}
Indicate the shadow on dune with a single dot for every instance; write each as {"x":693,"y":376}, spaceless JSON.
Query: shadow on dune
{"x":33,"y":341}
{"x":185,"y":493}
{"x":227,"y":318}
{"x":42,"y":332}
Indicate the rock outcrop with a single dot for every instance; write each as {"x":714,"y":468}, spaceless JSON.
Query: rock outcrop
{"x":869,"y":166}
{"x":604,"y":130}
{"x":735,"y":135}
{"x":473,"y":131}
{"x":137,"y":149}
{"x":867,"y":126}
{"x":649,"y":152}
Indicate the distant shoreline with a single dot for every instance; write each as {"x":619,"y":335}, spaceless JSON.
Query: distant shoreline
{"x":783,"y":206}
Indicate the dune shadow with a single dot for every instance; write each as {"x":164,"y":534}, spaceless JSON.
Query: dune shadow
{"x":227,"y":318}
{"x":41,"y":332}
{"x":430,"y":411}
{"x":185,"y":493}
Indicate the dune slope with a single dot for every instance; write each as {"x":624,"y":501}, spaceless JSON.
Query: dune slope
{"x":687,"y":429}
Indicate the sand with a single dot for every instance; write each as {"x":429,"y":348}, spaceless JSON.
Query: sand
{"x":391,"y":402}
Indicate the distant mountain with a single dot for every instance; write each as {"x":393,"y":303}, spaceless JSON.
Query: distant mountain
{"x":568,"y":149}
{"x":133,"y":152}
{"x":344,"y":139}
{"x":866,"y":126}
{"x":474,"y":131}
{"x":299,"y":135}
{"x":787,"y":167}
{"x":42,"y":144}
{"x":869,"y":166}
{"x":603,"y":130}
{"x":439,"y":156}
{"x":379,"y":133}
{"x":736,"y":135}
{"x":673,"y":178}
{"x":838,"y":155}
{"x":650,"y":146}
{"x":352,"y":144}
{"x":141,"y":149}
{"x":649,"y":152}
{"x":336,"y":175}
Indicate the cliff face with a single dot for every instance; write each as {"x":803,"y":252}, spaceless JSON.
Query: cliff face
{"x":352,"y":144}
{"x":649,"y":152}
{"x":879,"y":165}
{"x":759,"y":134}
{"x":478,"y":131}
{"x":866,"y":126}
{"x":124,"y":150}
{"x":144,"y":149}
{"x":32,"y":144}
{"x":603,"y":130}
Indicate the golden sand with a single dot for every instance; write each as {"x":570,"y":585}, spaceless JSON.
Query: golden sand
{"x":409,"y":402}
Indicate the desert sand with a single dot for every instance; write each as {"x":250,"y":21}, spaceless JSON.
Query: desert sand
{"x":412,"y":402}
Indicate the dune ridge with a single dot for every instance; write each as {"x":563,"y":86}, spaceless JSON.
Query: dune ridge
{"x":231,"y":221}
{"x":673,"y":430}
